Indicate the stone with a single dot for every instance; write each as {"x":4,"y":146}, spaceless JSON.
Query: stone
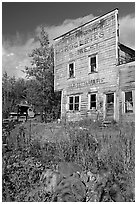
{"x":68,"y":168}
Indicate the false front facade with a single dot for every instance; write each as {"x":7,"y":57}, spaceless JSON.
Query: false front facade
{"x":89,"y":70}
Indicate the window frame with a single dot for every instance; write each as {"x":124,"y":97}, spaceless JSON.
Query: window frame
{"x":74,"y":103}
{"x":96,"y":69}
{"x":124,"y":102}
{"x":68,"y":68}
{"x":89,"y":101}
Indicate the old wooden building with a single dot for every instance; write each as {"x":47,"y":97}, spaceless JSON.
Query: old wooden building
{"x":95,"y":72}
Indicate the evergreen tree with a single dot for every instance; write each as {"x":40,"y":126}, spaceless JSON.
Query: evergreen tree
{"x":42,"y":69}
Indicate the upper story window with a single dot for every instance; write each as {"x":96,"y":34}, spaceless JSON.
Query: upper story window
{"x":93,"y":63}
{"x":71,"y":70}
{"x":74,"y":103}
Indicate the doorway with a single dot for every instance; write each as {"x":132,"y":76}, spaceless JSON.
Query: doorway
{"x":109,"y":106}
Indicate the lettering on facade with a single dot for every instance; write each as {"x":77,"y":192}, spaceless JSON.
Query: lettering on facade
{"x":87,"y":83}
{"x":87,"y":49}
{"x":83,"y":36}
{"x":80,"y":43}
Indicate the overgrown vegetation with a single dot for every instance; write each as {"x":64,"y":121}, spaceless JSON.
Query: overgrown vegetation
{"x":109,"y":157}
{"x":38,"y":86}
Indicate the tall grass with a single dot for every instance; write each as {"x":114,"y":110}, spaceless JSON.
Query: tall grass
{"x":95,"y":149}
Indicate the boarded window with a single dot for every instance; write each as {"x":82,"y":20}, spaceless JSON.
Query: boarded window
{"x":128,"y":102}
{"x":71,"y":70}
{"x":74,"y":103}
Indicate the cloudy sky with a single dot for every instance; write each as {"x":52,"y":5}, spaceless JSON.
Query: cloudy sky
{"x":21,"y":23}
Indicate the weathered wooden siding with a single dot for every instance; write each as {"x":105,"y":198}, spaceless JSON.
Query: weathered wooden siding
{"x":127,"y":76}
{"x":126,"y":83}
{"x":97,"y":37}
{"x":100,"y":39}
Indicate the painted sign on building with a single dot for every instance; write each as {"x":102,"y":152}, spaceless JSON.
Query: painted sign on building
{"x":90,"y":33}
{"x":90,"y":83}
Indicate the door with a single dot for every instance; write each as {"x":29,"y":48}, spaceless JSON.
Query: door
{"x":109,"y":106}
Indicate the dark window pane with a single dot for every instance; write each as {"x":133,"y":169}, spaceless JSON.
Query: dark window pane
{"x":93,"y":97}
{"x":93,"y":63}
{"x":92,"y":101}
{"x":93,"y":60}
{"x":93,"y":105}
{"x":70,"y":106}
{"x":128,"y":96}
{"x":76,"y":99}
{"x":76,"y":106}
{"x":71,"y":70}
{"x":70,"y":99}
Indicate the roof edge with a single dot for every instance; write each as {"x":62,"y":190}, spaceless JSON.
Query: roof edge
{"x":85,"y":23}
{"x":121,"y":44}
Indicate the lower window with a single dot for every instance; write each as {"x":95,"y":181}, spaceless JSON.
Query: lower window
{"x":128,"y":102}
{"x":74,"y":103}
{"x":93,"y":103}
